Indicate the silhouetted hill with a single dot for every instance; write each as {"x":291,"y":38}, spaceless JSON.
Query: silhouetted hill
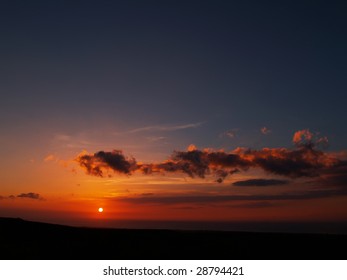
{"x":32,"y":240}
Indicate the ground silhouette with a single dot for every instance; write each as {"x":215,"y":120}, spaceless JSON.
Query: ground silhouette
{"x":32,"y":240}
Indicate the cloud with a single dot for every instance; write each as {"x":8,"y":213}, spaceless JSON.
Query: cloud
{"x":230,"y":133}
{"x":197,"y":163}
{"x":191,"y":148}
{"x":306,"y":138}
{"x":49,"y":158}
{"x":147,"y":194}
{"x":264,"y":130}
{"x":29,"y":195}
{"x":300,"y":162}
{"x":210,"y":199}
{"x":165,"y":128}
{"x":156,"y":138}
{"x":101,"y":161}
{"x":303,"y":161}
{"x":333,"y":176}
{"x":260,"y":182}
{"x":258,"y":204}
{"x":62,"y":137}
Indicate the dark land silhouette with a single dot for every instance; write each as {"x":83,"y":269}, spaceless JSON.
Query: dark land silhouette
{"x":33,"y":240}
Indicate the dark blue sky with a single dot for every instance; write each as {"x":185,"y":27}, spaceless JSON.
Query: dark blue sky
{"x":79,"y":79}
{"x":74,"y":67}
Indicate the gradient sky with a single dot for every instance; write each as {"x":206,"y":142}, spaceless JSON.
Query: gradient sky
{"x":152,"y":77}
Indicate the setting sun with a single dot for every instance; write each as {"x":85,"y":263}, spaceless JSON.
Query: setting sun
{"x":101,"y":210}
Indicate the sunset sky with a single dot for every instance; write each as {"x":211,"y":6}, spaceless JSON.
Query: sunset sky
{"x":208,"y":111}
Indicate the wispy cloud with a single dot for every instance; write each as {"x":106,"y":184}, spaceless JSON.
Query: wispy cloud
{"x":49,"y":158}
{"x":62,"y":137}
{"x":78,"y":140}
{"x":165,"y":127}
{"x":230,"y":133}
{"x":156,"y":138}
{"x":264,"y":130}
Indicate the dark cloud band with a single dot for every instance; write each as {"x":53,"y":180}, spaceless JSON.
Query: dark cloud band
{"x":29,"y":195}
{"x":260,"y":182}
{"x":303,"y":161}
